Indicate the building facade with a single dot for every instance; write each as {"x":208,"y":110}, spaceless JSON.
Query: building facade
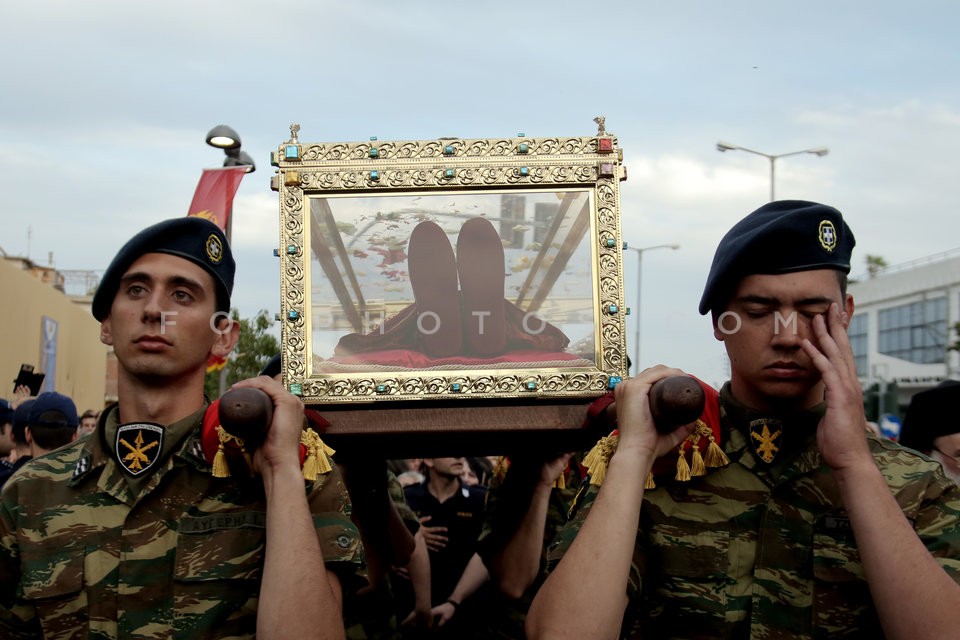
{"x":903,"y":325}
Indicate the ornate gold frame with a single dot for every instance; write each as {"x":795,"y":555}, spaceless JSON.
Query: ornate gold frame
{"x":311,"y":176}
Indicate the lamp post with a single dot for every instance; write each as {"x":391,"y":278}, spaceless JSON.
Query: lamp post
{"x":224,"y":137}
{"x":726,"y":146}
{"x":639,"y":251}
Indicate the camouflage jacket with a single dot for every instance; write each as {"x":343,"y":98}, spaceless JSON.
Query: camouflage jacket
{"x":758,"y":550}
{"x":82,"y":556}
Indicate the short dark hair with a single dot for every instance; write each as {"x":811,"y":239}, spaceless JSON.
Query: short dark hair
{"x":49,"y":437}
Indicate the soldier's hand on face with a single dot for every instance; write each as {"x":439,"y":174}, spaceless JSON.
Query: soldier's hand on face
{"x":281,"y":447}
{"x":634,"y":420}
{"x":433,"y":536}
{"x":840,"y":435}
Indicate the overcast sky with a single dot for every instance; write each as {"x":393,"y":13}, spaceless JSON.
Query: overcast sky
{"x":105,"y":106}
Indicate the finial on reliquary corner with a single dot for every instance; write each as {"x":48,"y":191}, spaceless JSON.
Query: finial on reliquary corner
{"x":601,"y":125}
{"x":294,"y":129}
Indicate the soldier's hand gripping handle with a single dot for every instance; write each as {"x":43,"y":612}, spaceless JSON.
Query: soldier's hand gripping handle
{"x":674,"y":401}
{"x":246,"y":413}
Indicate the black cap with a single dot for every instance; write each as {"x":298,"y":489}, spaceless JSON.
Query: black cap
{"x":930,"y":415}
{"x":192,"y":238}
{"x":6,"y":412}
{"x":52,"y":409}
{"x":779,"y":237}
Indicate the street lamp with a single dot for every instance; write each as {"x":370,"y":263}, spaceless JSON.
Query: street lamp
{"x":726,"y":146}
{"x":224,"y":137}
{"x":639,"y":251}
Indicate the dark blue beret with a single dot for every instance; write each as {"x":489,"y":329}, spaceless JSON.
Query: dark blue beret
{"x":927,"y":416}
{"x":192,"y":238}
{"x":779,"y":237}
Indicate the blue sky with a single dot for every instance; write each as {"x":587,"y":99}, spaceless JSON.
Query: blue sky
{"x":105,"y":106}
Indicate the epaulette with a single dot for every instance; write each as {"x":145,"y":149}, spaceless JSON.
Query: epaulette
{"x":703,"y":444}
{"x":224,"y":451}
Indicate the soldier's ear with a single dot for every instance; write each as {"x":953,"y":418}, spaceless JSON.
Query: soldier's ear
{"x":106,"y":332}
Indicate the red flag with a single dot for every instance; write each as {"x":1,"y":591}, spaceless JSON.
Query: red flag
{"x":213,"y":198}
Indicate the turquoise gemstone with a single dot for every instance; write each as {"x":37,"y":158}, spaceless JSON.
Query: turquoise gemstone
{"x":291,"y":249}
{"x":296,"y":389}
{"x":613,"y":309}
{"x":524,"y":171}
{"x":524,"y":147}
{"x":455,"y":387}
{"x":373,"y":152}
{"x":292,"y":315}
{"x":374,"y":175}
{"x":613,"y":381}
{"x":291,"y":152}
{"x":448,"y":150}
{"x":449,"y":173}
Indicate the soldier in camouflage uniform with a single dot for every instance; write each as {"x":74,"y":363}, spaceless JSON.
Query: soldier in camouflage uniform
{"x":814,"y":529}
{"x":126,"y":534}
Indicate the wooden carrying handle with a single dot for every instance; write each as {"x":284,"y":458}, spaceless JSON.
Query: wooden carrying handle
{"x":674,"y":401}
{"x":677,"y":400}
{"x":246,"y":413}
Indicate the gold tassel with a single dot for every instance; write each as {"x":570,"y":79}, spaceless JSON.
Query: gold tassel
{"x":697,"y":468}
{"x":560,"y":482}
{"x":323,"y":457}
{"x":310,"y":465}
{"x":317,"y":461}
{"x":220,"y":468}
{"x":683,"y":469}
{"x":598,"y":459}
{"x":500,"y":469}
{"x":649,"y":484}
{"x":715,"y":455}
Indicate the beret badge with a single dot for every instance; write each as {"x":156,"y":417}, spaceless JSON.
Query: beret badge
{"x":214,"y":249}
{"x":828,"y":236}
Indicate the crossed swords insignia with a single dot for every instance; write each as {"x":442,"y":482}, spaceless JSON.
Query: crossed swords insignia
{"x":141,"y":454}
{"x":766,"y":446}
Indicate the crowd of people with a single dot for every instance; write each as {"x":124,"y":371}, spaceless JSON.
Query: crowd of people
{"x":790,"y":520}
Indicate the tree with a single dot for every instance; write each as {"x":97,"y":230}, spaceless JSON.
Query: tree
{"x":253,"y":351}
{"x":956,"y":344}
{"x":875,"y":264}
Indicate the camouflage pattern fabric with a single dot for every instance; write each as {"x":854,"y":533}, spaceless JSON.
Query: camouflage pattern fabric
{"x":766,"y":551}
{"x":82,"y":556}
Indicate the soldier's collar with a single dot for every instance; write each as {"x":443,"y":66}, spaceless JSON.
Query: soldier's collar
{"x":768,"y":433}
